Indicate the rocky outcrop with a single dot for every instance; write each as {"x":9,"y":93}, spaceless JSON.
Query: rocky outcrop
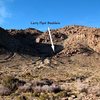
{"x":14,"y":40}
{"x":4,"y":37}
{"x":73,"y":38}
{"x":58,"y":37}
{"x":89,"y":39}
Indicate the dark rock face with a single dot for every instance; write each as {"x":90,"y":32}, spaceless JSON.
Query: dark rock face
{"x":14,"y":40}
{"x":7,"y":41}
{"x":24,"y":42}
{"x":27,"y":36}
{"x":4,"y":37}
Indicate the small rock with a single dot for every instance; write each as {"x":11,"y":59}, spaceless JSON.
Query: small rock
{"x":80,"y":96}
{"x":46,"y":88}
{"x":70,"y":98}
{"x":73,"y":96}
{"x":55,"y":88}
{"x":66,"y":86}
{"x":25,"y":88}
{"x":55,"y":62}
{"x":46,"y":61}
{"x":82,"y":87}
{"x":65,"y":98}
{"x":38,"y":40}
{"x":37,"y":89}
{"x":40,"y":65}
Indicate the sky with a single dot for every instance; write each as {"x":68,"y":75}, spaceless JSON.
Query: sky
{"x":21,"y":14}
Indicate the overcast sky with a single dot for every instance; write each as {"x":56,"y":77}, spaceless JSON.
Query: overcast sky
{"x":20,"y":13}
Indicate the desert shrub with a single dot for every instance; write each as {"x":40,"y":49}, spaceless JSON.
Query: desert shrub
{"x":10,"y":82}
{"x":44,"y":96}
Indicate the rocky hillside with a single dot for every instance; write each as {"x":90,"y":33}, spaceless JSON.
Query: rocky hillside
{"x":30,"y":70}
{"x":74,"y":38}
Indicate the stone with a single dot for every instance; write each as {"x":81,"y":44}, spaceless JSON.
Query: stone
{"x":55,"y":88}
{"x":46,"y":61}
{"x":37,"y":40}
{"x":25,"y":88}
{"x":46,"y":88}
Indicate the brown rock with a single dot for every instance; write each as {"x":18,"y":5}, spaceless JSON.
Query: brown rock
{"x":25,"y":88}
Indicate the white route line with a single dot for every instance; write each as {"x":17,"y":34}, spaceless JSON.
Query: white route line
{"x":52,"y":45}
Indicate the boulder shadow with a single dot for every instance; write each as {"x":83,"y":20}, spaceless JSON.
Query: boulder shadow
{"x":39,"y":50}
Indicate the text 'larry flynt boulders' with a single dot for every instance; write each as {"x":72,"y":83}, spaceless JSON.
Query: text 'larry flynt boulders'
{"x":44,"y":22}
